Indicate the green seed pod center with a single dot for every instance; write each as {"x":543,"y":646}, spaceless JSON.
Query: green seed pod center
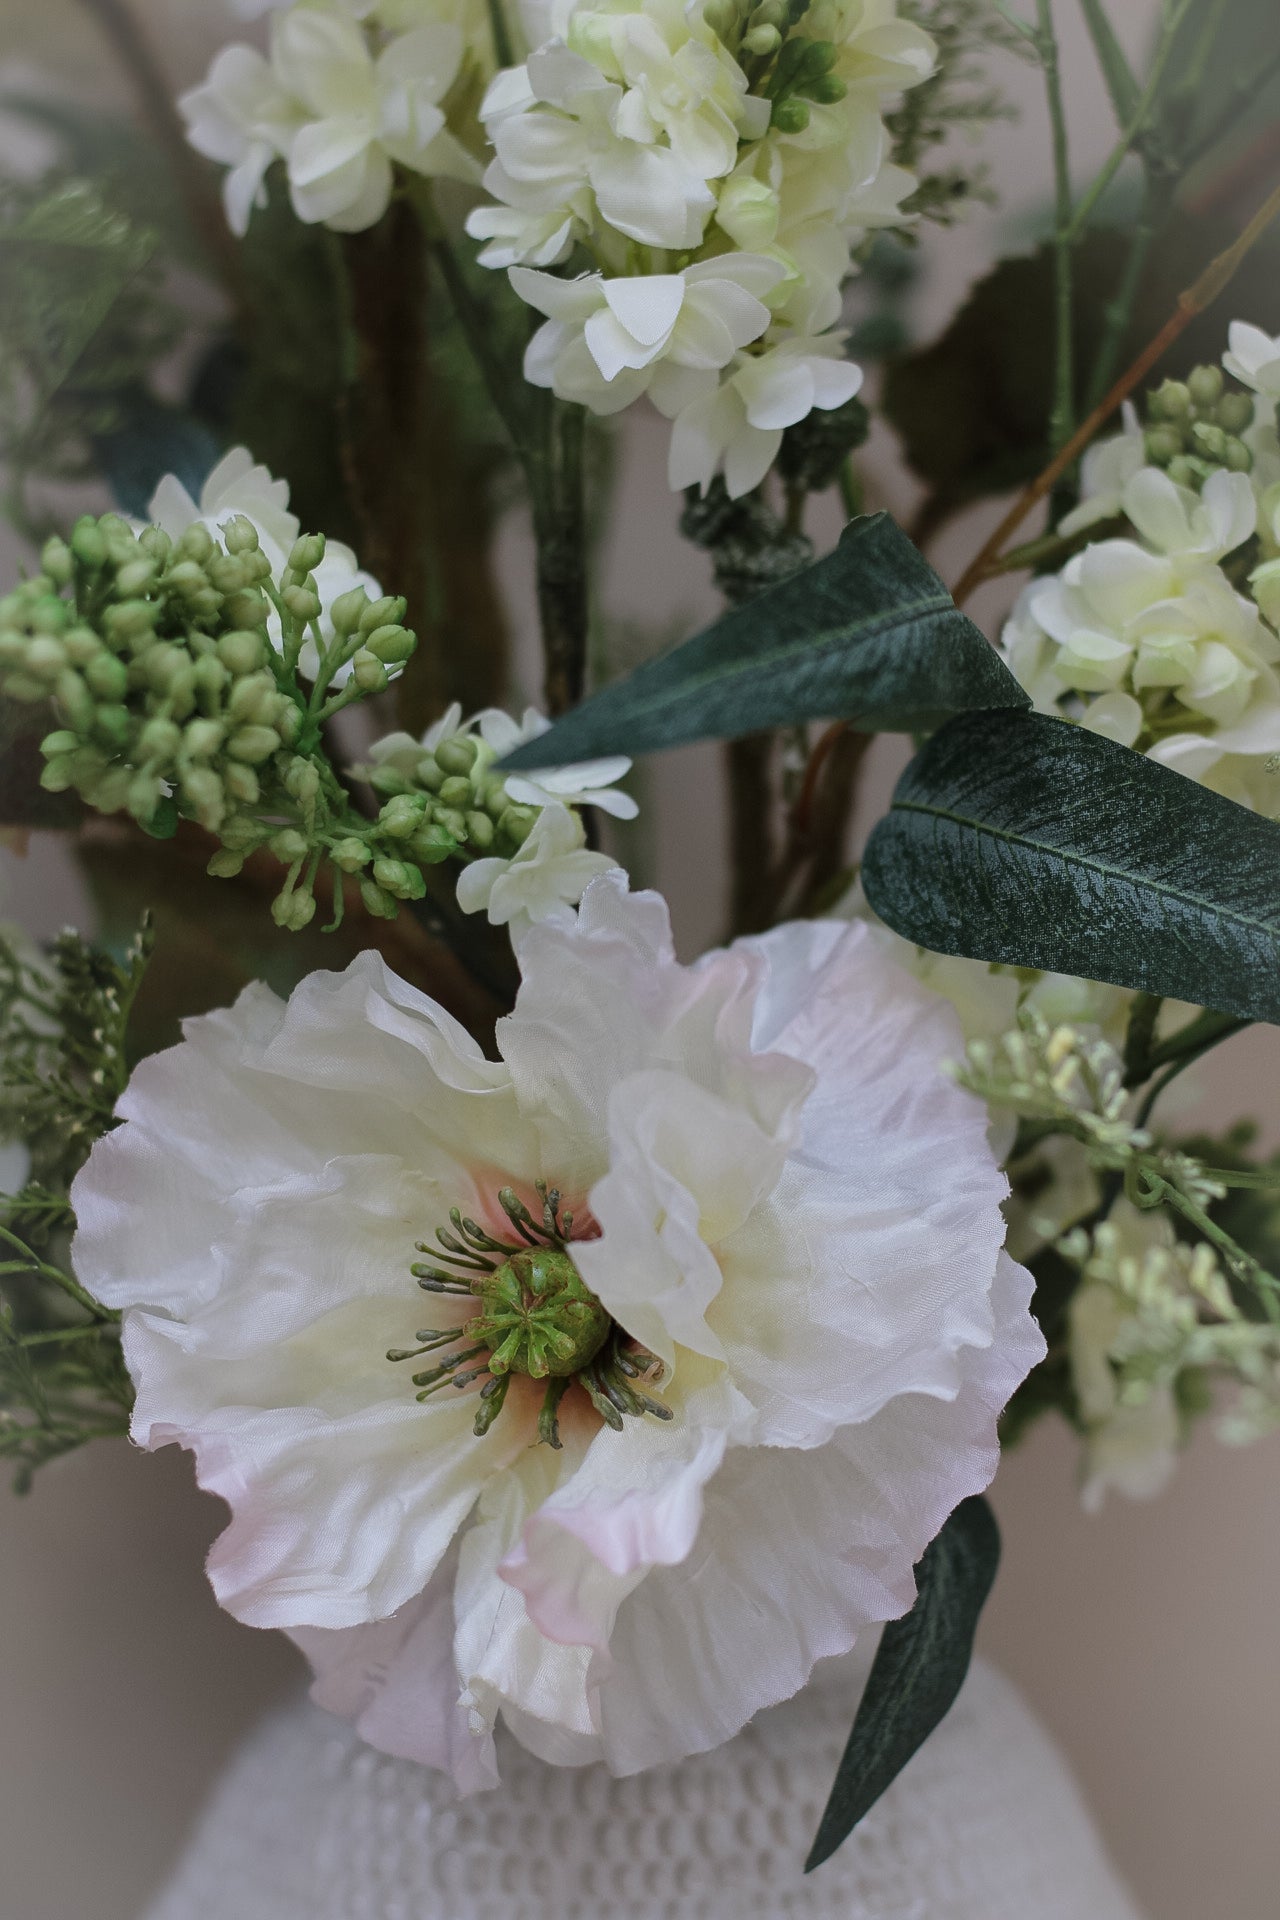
{"x":539,"y":1317}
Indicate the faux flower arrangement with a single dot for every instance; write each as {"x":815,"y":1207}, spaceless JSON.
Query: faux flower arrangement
{"x":736,"y":1272}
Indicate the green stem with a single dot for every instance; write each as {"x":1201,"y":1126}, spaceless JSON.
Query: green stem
{"x":1062,"y":418}
{"x":503,"y":50}
{"x":1136,"y":125}
{"x":1242,"y":1264}
{"x":1119,"y":311}
{"x":56,"y":1277}
{"x":1116,"y":71}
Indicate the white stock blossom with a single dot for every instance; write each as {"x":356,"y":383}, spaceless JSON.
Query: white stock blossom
{"x":736,"y":427}
{"x":339,"y":110}
{"x":543,"y":881}
{"x":786,"y":1231}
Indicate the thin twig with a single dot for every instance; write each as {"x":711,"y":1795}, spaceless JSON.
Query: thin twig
{"x":1192,"y":303}
{"x":1063,"y":241}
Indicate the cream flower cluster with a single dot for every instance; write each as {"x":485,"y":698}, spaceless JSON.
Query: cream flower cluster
{"x":718,"y":162}
{"x":785,"y":1229}
{"x":347,"y":93}
{"x":1151,"y":639}
{"x":546,"y":876}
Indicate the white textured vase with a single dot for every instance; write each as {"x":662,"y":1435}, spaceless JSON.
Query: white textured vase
{"x":985,"y":1824}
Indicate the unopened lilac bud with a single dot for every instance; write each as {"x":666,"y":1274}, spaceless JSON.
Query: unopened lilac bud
{"x":293,"y":910}
{"x":388,"y":780}
{"x":112,"y":724}
{"x":392,"y":645}
{"x":58,"y":774}
{"x":763,"y":39}
{"x":480,"y":831}
{"x":159,"y":740}
{"x":1236,"y":456}
{"x":288,"y":722}
{"x":131,"y":623}
{"x":136,"y":577}
{"x":46,"y":657}
{"x":201,"y":739}
{"x":202,"y":788}
{"x":229,"y":573}
{"x":1162,"y":444}
{"x":253,"y":744}
{"x":195,"y":544}
{"x":1235,"y":412}
{"x":790,"y":115}
{"x":302,"y":782}
{"x":248,"y":608}
{"x":347,"y":611}
{"x":242,"y":651}
{"x":456,"y":755}
{"x":350,"y":855}
{"x":211,"y":677}
{"x":368,"y":672}
{"x":256,"y":699}
{"x":55,"y":745}
{"x":289,"y":846}
{"x":303,"y":602}
{"x":186,"y":577}
{"x":454,"y":822}
{"x":56,"y":561}
{"x":156,"y":544}
{"x":88,"y":545}
{"x":429,"y":773}
{"x":75,"y":699}
{"x":455,"y":791}
{"x":402,"y":815}
{"x":83,"y":647}
{"x":1205,"y":385}
{"x":240,"y":536}
{"x":516,"y":824}
{"x":432,"y":843}
{"x":225,"y":864}
{"x":145,"y":795}
{"x":399,"y":878}
{"x":387,"y":612}
{"x":306,"y":553}
{"x":377,"y":900}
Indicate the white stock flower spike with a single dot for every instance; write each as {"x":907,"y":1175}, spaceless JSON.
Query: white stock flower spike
{"x":719,"y":1334}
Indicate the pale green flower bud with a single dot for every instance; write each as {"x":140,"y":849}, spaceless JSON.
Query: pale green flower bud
{"x":111,"y":790}
{"x":293,"y":910}
{"x":56,"y":561}
{"x":791,"y":115}
{"x":516,"y":824}
{"x":429,"y":773}
{"x":454,"y":822}
{"x":75,"y":699}
{"x":156,"y":544}
{"x":242,"y":784}
{"x":456,"y":755}
{"x":201,"y":739}
{"x":58,"y":774}
{"x":211,"y":677}
{"x":1265,"y":582}
{"x":377,"y":900}
{"x":49,"y":615}
{"x":145,"y":795}
{"x":387,"y":612}
{"x":762,"y":40}
{"x":402,"y":815}
{"x":242,"y":652}
{"x":203,"y":789}
{"x":388,"y":780}
{"x":494,"y":799}
{"x":368,"y":672}
{"x":1205,"y":385}
{"x":289,"y":846}
{"x":1209,"y":440}
{"x":240,"y":536}
{"x":163,"y":664}
{"x":1236,"y":456}
{"x":392,"y":645}
{"x":256,"y":698}
{"x":1172,"y":401}
{"x":432,"y":843}
{"x":83,"y":647}
{"x":46,"y":658}
{"x":246,"y":609}
{"x":55,"y":745}
{"x":398,"y":878}
{"x":225,"y":864}
{"x":113,"y":724}
{"x":1185,"y":472}
{"x":306,"y":554}
{"x":136,"y":577}
{"x":229,"y":573}
{"x":130,"y":623}
{"x":241,"y":834}
{"x":826,"y":89}
{"x":1162,"y":444}
{"x":188,"y":577}
{"x":350,"y":855}
{"x":480,"y":831}
{"x":1235,"y":412}
{"x":303,"y":602}
{"x":347,"y":611}
{"x":302,"y":781}
{"x":20,"y":686}
{"x":159,"y":740}
{"x":195,"y":545}
{"x":253,"y":744}
{"x":455,"y":791}
{"x":288,"y":721}
{"x":88,"y":545}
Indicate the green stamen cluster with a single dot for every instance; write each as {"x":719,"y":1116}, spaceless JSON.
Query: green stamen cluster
{"x":537,"y":1317}
{"x":1194,"y":427}
{"x":177,"y":674}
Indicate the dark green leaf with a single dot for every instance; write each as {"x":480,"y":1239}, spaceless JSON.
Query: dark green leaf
{"x":918,"y":1670}
{"x":1026,"y":840}
{"x":869,"y":634}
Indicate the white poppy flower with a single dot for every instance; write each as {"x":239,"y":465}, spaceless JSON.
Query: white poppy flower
{"x":543,"y":881}
{"x":586,"y":783}
{"x":737,"y":426}
{"x":786,"y":1239}
{"x":1253,"y":358}
{"x":607,"y":341}
{"x":239,"y":485}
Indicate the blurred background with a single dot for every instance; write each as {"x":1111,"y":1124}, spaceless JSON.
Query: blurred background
{"x":1143,"y":1637}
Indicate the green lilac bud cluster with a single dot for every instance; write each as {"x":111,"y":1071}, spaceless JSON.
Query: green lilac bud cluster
{"x":1195,"y":427}
{"x":449,"y":796}
{"x":153,"y":653}
{"x":173,"y":671}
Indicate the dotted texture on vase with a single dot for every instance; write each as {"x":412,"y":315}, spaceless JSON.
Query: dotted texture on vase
{"x":985,"y":1824}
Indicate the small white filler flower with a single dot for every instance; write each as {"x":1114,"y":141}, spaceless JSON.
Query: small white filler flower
{"x":719,"y":1323}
